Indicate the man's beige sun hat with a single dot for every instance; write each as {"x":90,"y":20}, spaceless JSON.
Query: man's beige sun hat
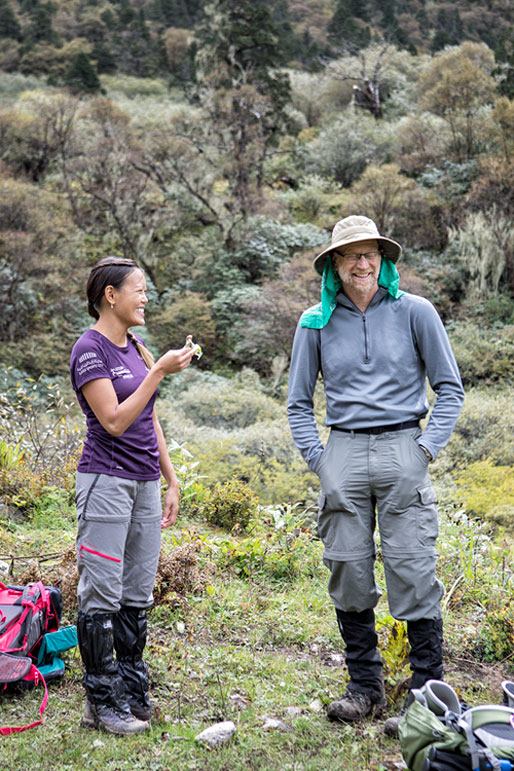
{"x":351,"y":230}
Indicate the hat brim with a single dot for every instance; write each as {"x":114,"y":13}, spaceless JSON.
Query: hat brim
{"x":390,"y":249}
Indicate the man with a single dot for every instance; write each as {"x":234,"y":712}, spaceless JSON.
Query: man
{"x":374,"y":346}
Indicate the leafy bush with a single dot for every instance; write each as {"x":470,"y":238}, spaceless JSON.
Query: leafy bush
{"x":37,"y":415}
{"x":488,"y":491}
{"x":344,"y":148}
{"x":495,"y":639}
{"x":132,"y":86}
{"x":230,"y":505}
{"x":273,"y":480}
{"x":189,"y":314}
{"x":483,"y":355}
{"x":313,"y":200}
{"x":484,"y":430}
{"x":265,"y":244}
{"x":498,"y":308}
{"x":235,"y":405}
{"x":484,"y":248}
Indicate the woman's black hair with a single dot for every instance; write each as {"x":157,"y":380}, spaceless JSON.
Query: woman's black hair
{"x":109,"y":271}
{"x":112,"y":271}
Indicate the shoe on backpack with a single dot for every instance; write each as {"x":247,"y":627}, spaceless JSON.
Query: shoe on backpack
{"x":351,"y":707}
{"x":392,"y":724}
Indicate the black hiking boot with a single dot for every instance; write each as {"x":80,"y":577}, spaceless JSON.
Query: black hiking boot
{"x":106,"y":705}
{"x":351,"y":707}
{"x":130,"y":629}
{"x":362,"y":657}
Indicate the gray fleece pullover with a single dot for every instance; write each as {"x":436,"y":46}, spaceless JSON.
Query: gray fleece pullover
{"x":374,"y":367}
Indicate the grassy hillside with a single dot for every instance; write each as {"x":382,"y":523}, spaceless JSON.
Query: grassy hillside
{"x":243,"y":630}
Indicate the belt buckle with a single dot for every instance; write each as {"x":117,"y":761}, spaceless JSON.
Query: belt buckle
{"x":375,"y":430}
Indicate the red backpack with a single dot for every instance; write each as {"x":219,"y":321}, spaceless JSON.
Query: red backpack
{"x":27,"y":613}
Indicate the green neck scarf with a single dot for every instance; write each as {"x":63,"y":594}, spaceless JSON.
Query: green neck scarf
{"x":318,"y":315}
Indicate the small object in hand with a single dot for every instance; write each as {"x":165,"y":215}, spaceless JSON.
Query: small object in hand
{"x":197,"y":349}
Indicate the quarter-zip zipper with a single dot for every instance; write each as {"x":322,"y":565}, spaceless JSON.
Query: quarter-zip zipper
{"x":366,"y":351}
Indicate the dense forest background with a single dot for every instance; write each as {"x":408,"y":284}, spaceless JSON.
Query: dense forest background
{"x":217,"y":143}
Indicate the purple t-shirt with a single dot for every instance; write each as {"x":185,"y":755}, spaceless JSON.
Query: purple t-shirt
{"x":134,"y":454}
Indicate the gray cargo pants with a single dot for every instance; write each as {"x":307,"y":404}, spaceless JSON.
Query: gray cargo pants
{"x":118,"y":541}
{"x":379,"y":478}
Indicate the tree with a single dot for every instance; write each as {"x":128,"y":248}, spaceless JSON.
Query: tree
{"x":9,"y":25}
{"x":40,"y":28}
{"x":449,"y":29}
{"x":36,"y":234}
{"x":218,"y":161}
{"x":105,"y":60}
{"x":37,"y":133}
{"x":237,"y":47}
{"x":268,"y":322}
{"x":344,"y":27}
{"x":366,"y":67}
{"x":504,"y":53}
{"x":456,"y":85}
{"x":398,"y":205}
{"x":502,"y":117}
{"x":81,"y":75}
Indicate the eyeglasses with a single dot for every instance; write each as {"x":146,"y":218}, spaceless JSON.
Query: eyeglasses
{"x":355,"y":256}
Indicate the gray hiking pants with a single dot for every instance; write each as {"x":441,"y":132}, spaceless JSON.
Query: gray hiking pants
{"x":379,"y":478}
{"x":118,"y":541}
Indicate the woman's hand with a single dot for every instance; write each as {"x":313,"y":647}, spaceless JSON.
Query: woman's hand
{"x":175,"y":360}
{"x":170,"y":507}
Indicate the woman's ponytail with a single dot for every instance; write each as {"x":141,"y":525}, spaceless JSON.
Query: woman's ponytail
{"x":142,"y":350}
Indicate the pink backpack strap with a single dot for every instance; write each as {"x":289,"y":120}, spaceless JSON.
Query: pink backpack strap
{"x":32,"y":676}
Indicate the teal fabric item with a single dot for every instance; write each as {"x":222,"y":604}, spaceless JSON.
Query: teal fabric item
{"x":319,"y":315}
{"x":48,"y":662}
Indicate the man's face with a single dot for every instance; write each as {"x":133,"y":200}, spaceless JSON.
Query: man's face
{"x":358,"y":266}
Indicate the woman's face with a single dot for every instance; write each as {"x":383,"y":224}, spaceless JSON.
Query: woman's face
{"x":129,"y":299}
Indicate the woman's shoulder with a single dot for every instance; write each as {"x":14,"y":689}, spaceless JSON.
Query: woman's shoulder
{"x":88,"y":346}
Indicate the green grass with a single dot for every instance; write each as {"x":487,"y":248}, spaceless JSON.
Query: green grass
{"x":266,"y":637}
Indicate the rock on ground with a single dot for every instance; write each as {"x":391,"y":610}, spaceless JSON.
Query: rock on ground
{"x":217,"y":734}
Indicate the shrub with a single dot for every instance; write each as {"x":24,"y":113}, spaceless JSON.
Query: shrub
{"x":488,"y":491}
{"x":483,"y":432}
{"x":132,"y":86}
{"x":189,"y":314}
{"x":484,"y":248}
{"x":230,"y":505}
{"x":483,"y":355}
{"x":344,"y":148}
{"x":234,"y":405}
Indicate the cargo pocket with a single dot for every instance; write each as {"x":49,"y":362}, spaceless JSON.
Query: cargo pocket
{"x":428,"y":524}
{"x":325,"y":524}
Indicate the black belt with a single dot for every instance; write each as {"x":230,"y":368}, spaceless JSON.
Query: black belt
{"x":378,"y":429}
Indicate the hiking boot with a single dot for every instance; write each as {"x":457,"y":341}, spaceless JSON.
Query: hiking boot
{"x":140,"y":710}
{"x":106,"y":704}
{"x":352,"y":706}
{"x":89,"y":717}
{"x":130,"y":629}
{"x":114,"y":721}
{"x":392,"y":724}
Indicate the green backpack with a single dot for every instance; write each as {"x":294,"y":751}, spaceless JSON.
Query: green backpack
{"x":435,"y":735}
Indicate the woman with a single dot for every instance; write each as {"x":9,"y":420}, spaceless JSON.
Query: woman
{"x":118,"y":494}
